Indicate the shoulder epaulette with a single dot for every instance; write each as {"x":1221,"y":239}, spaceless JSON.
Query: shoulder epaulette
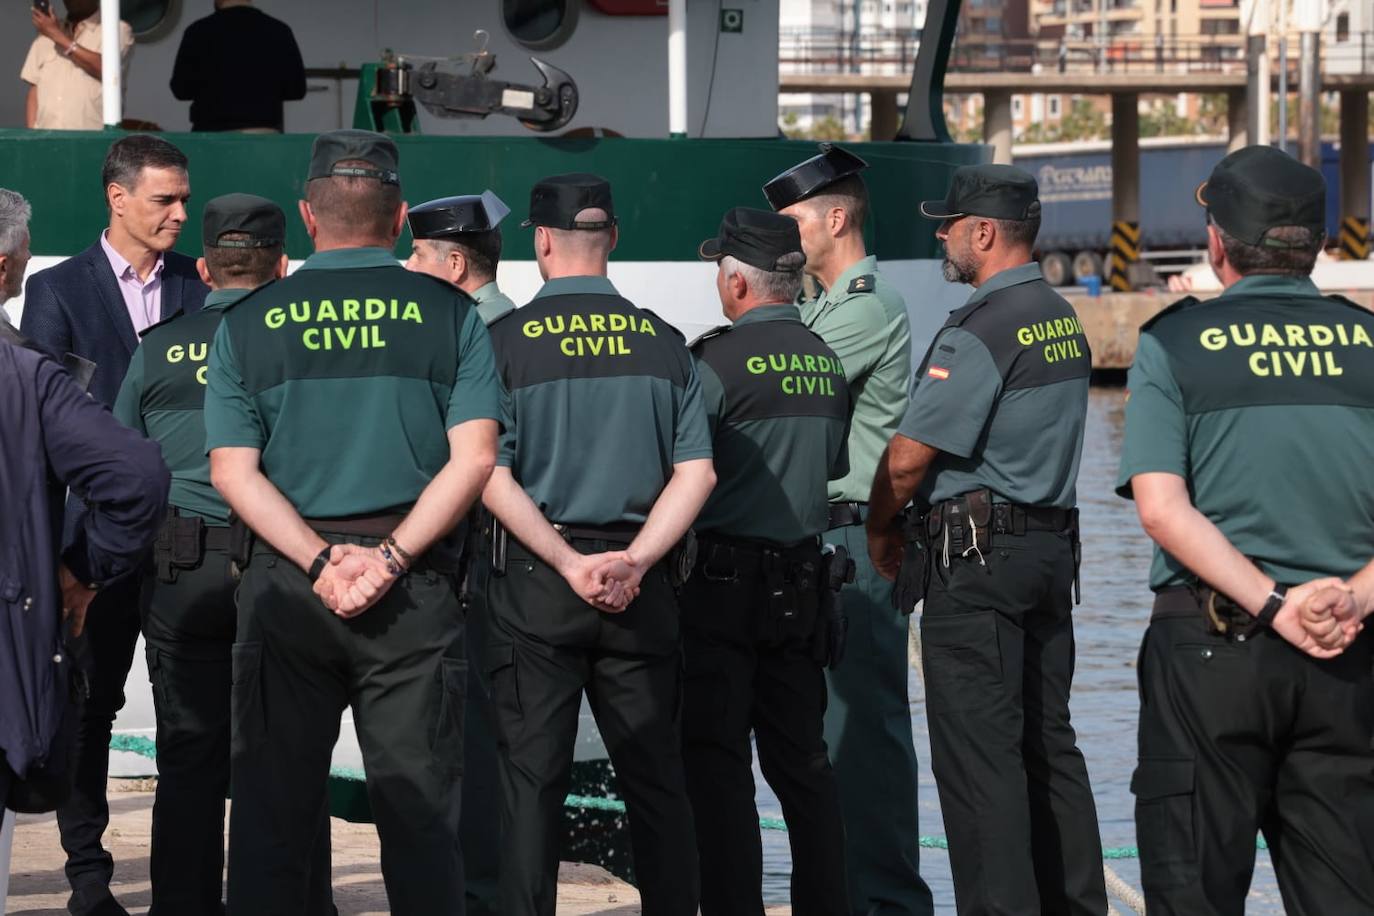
{"x":708,"y":334}
{"x":500,"y":318}
{"x":1185,"y":303}
{"x":864,"y":283}
{"x":681,"y":336}
{"x":168,"y":320}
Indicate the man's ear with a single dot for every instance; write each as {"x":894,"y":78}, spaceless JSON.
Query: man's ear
{"x":836,"y":219}
{"x":399,"y":225}
{"x":204,"y":270}
{"x":308,"y":217}
{"x":457,"y":266}
{"x":283,"y":266}
{"x":1216,"y":251}
{"x":115,"y":195}
{"x":984,"y":234}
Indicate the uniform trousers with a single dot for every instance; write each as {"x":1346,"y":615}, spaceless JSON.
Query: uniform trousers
{"x":481,"y":823}
{"x":296,"y":666}
{"x":997,"y":642}
{"x":868,"y":731}
{"x":188,"y":628}
{"x":1255,"y":736}
{"x":750,"y":671}
{"x":105,"y":651}
{"x":545,"y":647}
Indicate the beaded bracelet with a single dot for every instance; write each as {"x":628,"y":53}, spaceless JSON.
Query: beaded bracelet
{"x":400,"y":551}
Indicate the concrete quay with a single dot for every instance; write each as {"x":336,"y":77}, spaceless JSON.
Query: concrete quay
{"x":38,"y":885}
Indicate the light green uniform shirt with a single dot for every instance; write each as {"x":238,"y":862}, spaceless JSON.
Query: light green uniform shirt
{"x":864,"y":321}
{"x":491,"y":302}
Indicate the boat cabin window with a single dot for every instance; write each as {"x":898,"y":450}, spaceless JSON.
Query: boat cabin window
{"x":150,"y":19}
{"x":540,"y":24}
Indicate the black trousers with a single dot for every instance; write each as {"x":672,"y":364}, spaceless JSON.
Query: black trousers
{"x":188,"y":628}
{"x":1244,"y":737}
{"x":480,"y":828}
{"x":544,"y":648}
{"x":106,"y":652}
{"x":748,"y":671}
{"x":296,"y":667}
{"x":997,"y":641}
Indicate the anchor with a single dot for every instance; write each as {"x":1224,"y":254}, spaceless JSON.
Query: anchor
{"x":445,"y":90}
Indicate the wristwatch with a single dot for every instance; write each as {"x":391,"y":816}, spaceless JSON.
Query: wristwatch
{"x":71,"y":49}
{"x":1266,"y":615}
{"x":321,"y":561}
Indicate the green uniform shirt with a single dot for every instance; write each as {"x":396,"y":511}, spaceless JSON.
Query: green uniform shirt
{"x":491,"y":303}
{"x":163,"y":397}
{"x":1003,"y":394}
{"x":603,"y":400}
{"x":864,"y":321}
{"x":778,"y":406}
{"x":1263,"y":401}
{"x":347,"y":375}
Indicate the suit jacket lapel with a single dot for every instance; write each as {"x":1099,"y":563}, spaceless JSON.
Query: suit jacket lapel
{"x":171,"y":292}
{"x":110,"y":297}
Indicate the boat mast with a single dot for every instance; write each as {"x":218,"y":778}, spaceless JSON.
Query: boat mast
{"x":111,"y":92}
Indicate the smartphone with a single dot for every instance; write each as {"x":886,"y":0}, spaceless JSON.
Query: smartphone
{"x":44,"y":6}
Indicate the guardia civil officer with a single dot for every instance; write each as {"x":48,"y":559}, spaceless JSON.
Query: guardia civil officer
{"x":1248,"y":432}
{"x":868,"y":719}
{"x":756,"y":635}
{"x":989,"y":448}
{"x":352,"y":402}
{"x":458,"y":240}
{"x":188,"y":600}
{"x":606,"y":449}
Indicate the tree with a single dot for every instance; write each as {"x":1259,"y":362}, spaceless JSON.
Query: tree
{"x":1163,"y":120}
{"x":827,"y":128}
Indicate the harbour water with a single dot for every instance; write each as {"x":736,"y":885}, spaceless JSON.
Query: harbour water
{"x":1108,"y":626}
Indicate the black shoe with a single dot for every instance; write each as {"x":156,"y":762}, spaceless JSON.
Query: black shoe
{"x":94,"y":901}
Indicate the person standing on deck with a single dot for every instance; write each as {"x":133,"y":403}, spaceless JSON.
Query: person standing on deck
{"x":868,"y":719}
{"x":989,"y":450}
{"x":1248,"y":435}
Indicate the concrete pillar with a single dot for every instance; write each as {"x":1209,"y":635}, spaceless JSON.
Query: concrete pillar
{"x":1309,"y":100}
{"x":1355,"y":186}
{"x":882,"y":123}
{"x":1125,"y":250}
{"x":997,"y":126}
{"x":1257,"y":90}
{"x":1237,"y":132}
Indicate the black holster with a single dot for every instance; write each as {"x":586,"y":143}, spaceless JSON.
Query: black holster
{"x":497,"y":543}
{"x":180,"y":545}
{"x":914,"y":575}
{"x":240,"y":545}
{"x":832,"y":624}
{"x":682,"y":559}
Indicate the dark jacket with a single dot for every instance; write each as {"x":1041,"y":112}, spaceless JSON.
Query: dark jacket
{"x":76,"y":307}
{"x":56,"y":437}
{"x":236,"y":67}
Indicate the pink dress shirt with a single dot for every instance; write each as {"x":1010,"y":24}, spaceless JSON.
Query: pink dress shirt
{"x":142,"y":298}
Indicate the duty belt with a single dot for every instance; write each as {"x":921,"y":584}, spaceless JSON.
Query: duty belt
{"x":1012,"y":518}
{"x":1221,"y":616}
{"x":620,"y":534}
{"x":363,"y":526}
{"x":726,"y":559}
{"x":843,"y":514}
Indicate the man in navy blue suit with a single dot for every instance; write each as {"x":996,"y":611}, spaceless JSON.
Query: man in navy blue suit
{"x":94,"y":305}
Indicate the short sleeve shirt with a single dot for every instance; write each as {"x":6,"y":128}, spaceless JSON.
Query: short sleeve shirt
{"x":1262,"y":399}
{"x":603,"y":399}
{"x":69,"y":98}
{"x":863,"y":319}
{"x":163,"y":397}
{"x":1002,"y":393}
{"x":347,"y":376}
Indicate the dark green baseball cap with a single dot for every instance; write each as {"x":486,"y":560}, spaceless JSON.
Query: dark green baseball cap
{"x":759,"y":238}
{"x":378,"y":150}
{"x":259,"y":219}
{"x":1258,"y":188}
{"x":993,"y":191}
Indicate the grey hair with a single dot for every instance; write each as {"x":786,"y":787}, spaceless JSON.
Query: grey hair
{"x":15,"y":214}
{"x":781,"y":285}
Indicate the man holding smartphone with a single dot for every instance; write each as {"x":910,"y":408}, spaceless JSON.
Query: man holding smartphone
{"x":63,"y":66}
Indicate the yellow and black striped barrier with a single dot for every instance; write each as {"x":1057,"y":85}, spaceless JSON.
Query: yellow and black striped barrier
{"x":1125,"y":251}
{"x":1354,"y":238}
